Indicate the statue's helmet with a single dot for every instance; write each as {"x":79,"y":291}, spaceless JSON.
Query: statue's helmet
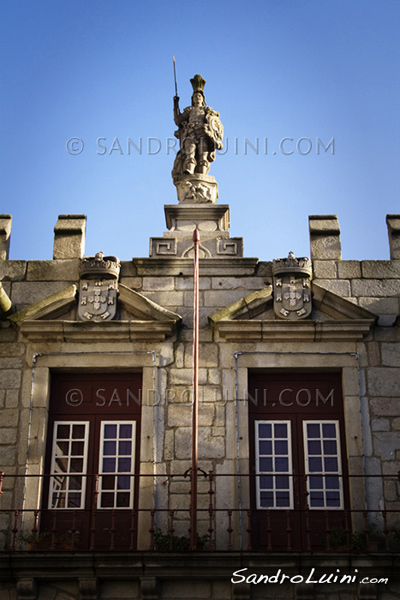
{"x":198,"y":84}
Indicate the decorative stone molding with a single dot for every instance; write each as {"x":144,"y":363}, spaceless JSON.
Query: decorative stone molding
{"x":227,"y":266}
{"x":325,"y":237}
{"x":5,"y":233}
{"x":52,"y":306}
{"x":109,"y":331}
{"x":292,"y":294}
{"x":348,"y":322}
{"x":100,"y":267}
{"x":98,"y":288}
{"x":88,"y":588}
{"x":26,"y":588}
{"x":149,"y":588}
{"x":187,"y":217}
{"x":69,"y":236}
{"x":196,"y":189}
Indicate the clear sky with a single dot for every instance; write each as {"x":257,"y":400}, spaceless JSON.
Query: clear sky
{"x":311,"y":71}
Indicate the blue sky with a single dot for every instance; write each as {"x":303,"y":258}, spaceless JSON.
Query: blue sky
{"x":303,"y":70}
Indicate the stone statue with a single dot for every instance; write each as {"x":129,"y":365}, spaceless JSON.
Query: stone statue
{"x":200,"y":133}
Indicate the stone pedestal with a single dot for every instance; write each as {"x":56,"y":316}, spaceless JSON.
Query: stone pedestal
{"x":196,"y":189}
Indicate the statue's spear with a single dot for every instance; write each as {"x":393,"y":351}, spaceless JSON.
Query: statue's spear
{"x":176,"y":85}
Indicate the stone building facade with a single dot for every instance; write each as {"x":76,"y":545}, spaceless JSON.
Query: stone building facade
{"x":299,"y":419}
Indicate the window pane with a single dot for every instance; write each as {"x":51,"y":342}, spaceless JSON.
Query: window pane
{"x":281,"y":464}
{"x":123,"y":499}
{"x":315,"y":464}
{"x":282,"y":482}
{"x":61,"y":465}
{"x":76,"y":465}
{"x":331,"y":464}
{"x":78,"y":432}
{"x":107,"y":500}
{"x":77,"y":448}
{"x":281,"y":447}
{"x":110,"y":431}
{"x":328,"y":430}
{"x":333,"y":499}
{"x":280,"y":430}
{"x":125,"y":448}
{"x":266,"y":464}
{"x":62,"y":449}
{"x":266,"y":482}
{"x":125,"y":431}
{"x":123,"y":483}
{"x":332,"y":483}
{"x":124,"y":465}
{"x":63,"y":432}
{"x":330,"y":447}
{"x":108,"y":482}
{"x":315,"y":482}
{"x":266,"y":499}
{"x":109,"y":465}
{"x":74,"y":500}
{"x":265,"y":447}
{"x":110,"y":448}
{"x":282,"y":499}
{"x":316,"y":499}
{"x":313,"y":430}
{"x":264,"y":430}
{"x":314,"y":447}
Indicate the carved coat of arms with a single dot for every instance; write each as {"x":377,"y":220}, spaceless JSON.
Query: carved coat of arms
{"x":292,"y":287}
{"x":98,"y":288}
{"x":97,"y":300}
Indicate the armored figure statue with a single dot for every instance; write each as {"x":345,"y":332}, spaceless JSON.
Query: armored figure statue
{"x":200,"y":133}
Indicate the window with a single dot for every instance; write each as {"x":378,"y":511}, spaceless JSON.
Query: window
{"x":93,"y":449}
{"x":297,"y":448}
{"x":274,"y":464}
{"x":68,"y":465}
{"x":116,"y":463}
{"x":323,"y":464}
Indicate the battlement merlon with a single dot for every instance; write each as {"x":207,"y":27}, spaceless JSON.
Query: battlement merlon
{"x":393,"y":225}
{"x":69,"y":237}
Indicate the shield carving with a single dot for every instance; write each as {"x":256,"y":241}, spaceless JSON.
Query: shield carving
{"x":292,"y":294}
{"x":97,"y":299}
{"x":292,"y":298}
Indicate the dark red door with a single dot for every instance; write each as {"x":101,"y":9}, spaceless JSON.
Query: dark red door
{"x":92,"y":460}
{"x":299,"y":485}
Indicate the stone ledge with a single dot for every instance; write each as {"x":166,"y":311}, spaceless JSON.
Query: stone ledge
{"x":223,"y":267}
{"x":246,"y":331}
{"x":109,"y":331}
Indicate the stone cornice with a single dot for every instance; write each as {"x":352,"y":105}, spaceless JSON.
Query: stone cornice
{"x":262,"y":330}
{"x":197,"y":212}
{"x":86,"y":332}
{"x":223,"y":267}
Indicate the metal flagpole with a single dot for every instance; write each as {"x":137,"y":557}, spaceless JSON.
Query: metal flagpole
{"x":195,"y":407}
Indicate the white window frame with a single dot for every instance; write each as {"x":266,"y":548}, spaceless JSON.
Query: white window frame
{"x":54,"y":484}
{"x":259,"y":473}
{"x":323,"y":473}
{"x":115,"y":474}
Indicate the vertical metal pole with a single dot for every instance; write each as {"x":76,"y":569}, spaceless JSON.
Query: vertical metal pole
{"x":195,"y":408}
